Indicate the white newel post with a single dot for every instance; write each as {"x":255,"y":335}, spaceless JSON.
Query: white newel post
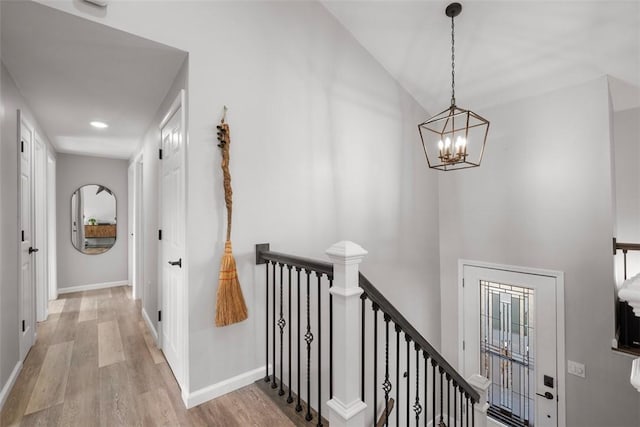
{"x":346,"y":408}
{"x":481,"y":385}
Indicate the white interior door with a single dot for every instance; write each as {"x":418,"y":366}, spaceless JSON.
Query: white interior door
{"x":510,"y":336}
{"x":172,"y":245}
{"x":27,"y":297}
{"x":40,"y":232}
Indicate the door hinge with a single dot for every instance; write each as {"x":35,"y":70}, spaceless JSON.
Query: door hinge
{"x":159,"y":315}
{"x":24,"y":327}
{"x":463,"y":346}
{"x":23,"y":235}
{"x":160,"y":153}
{"x":463,"y":282}
{"x":21,"y":146}
{"x":159,"y":234}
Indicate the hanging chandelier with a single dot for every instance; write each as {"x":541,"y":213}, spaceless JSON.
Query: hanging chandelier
{"x":455,"y":138}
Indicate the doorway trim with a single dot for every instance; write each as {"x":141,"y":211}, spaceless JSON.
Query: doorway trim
{"x":182,"y":377}
{"x":41,"y":266}
{"x":25,"y":346}
{"x":560,"y":330}
{"x":52,"y":227}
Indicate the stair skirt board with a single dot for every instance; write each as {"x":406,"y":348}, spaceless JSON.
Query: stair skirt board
{"x":92,"y":287}
{"x":223,"y":387}
{"x":6,"y":389}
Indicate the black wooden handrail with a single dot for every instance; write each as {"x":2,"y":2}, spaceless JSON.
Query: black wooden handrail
{"x":264,"y":255}
{"x":386,"y":307}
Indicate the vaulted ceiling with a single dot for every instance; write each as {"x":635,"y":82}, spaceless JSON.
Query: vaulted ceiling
{"x":73,"y":71}
{"x":505,"y":50}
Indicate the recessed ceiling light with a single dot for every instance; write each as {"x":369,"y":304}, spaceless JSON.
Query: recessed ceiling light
{"x":99,"y":125}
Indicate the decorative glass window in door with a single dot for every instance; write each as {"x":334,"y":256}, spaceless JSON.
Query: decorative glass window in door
{"x":506,"y":351}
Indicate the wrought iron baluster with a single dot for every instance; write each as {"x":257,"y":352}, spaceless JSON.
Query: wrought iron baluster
{"x":375,"y":308}
{"x":398,"y":329}
{"x":461,"y":406}
{"x":363,"y":297}
{"x":473,"y":413}
{"x":281,"y":324}
{"x":290,"y":397}
{"x":425,"y":355}
{"x":466,"y":401}
{"x":330,"y":340}
{"x":417,"y":408}
{"x":407,"y":338}
{"x":441,"y":370}
{"x":308,"y":337}
{"x":433,"y":391}
{"x":386,"y":385}
{"x":455,"y":404}
{"x":273,"y":331}
{"x":266,"y":324}
{"x":298,"y":404}
{"x":448,"y":398}
{"x":319,"y":424}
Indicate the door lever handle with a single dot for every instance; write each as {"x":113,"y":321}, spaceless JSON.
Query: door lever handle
{"x":178,"y":262}
{"x":32,"y":250}
{"x":546,"y":395}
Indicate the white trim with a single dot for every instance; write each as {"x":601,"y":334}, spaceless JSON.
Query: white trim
{"x":560,"y":322}
{"x":223,"y":387}
{"x":9,"y":384}
{"x":152,"y":328}
{"x":91,"y":287}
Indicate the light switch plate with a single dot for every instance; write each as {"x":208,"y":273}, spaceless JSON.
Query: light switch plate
{"x":575,"y":368}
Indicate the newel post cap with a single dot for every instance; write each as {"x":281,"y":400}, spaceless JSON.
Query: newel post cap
{"x":346,"y":252}
{"x":479,"y":382}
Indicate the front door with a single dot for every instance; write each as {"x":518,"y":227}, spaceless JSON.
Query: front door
{"x":27,"y":291}
{"x":510,"y":337}
{"x":172,"y":251}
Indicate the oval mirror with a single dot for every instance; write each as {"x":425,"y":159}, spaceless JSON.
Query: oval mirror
{"x":93,"y":219}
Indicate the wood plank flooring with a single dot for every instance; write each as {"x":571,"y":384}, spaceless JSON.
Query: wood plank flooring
{"x":95,"y":364}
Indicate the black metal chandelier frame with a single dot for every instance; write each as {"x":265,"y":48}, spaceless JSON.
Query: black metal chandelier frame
{"x":453,"y":122}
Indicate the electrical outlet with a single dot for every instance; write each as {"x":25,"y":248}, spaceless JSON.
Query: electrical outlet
{"x":575,"y":368}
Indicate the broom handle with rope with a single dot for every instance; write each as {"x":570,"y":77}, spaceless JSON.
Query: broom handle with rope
{"x":228,"y":193}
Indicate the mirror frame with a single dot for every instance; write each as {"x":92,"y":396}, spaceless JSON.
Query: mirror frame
{"x":115,"y":200}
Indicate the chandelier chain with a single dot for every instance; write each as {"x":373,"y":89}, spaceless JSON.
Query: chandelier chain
{"x":453,"y":64}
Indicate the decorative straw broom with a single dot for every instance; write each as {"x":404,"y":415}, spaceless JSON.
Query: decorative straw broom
{"x":230,"y":306}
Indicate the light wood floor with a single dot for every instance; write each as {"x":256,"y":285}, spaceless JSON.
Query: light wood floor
{"x":95,"y":364}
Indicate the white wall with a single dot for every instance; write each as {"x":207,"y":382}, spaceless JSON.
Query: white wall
{"x":626,"y":137}
{"x":74,"y":267}
{"x":10,"y":101}
{"x":543,"y":198}
{"x":324,"y":148}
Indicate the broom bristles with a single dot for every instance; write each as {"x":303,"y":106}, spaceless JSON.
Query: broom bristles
{"x":230,"y":305}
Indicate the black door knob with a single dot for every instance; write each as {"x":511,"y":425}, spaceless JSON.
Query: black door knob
{"x":32,"y":250}
{"x":178,"y":262}
{"x":546,"y":395}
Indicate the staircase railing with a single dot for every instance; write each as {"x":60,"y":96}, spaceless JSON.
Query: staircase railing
{"x":364,"y":363}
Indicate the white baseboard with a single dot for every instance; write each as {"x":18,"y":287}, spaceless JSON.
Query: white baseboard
{"x":4,"y":393}
{"x":149,"y":323}
{"x":223,"y":387}
{"x":92,"y":286}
